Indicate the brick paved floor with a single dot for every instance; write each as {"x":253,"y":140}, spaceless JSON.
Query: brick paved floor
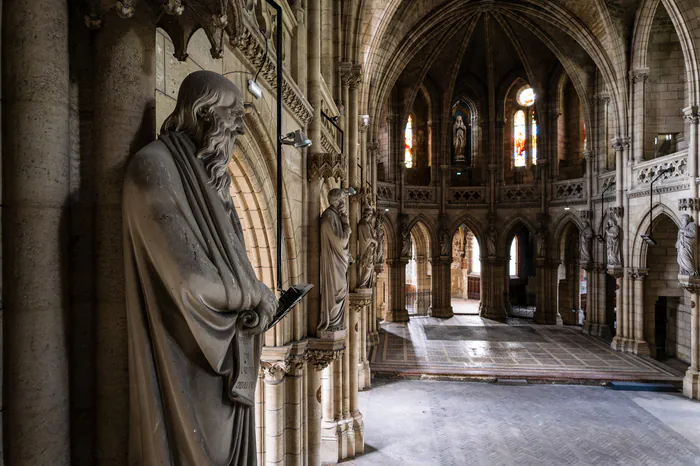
{"x":471,"y":346}
{"x":437,"y":423}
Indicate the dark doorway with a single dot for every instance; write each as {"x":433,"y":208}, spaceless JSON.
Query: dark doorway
{"x":661,"y":328}
{"x":610,"y":303}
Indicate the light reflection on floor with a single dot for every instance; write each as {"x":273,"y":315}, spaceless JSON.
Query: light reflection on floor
{"x":472,"y":346}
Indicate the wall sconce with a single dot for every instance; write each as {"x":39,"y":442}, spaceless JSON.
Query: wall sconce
{"x":296,"y":139}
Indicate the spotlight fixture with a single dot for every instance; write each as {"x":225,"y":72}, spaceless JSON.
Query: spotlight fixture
{"x":296,"y":139}
{"x":386,"y":210}
{"x":649,"y":240}
{"x":335,"y":119}
{"x":459,"y":173}
{"x":254,"y":89}
{"x":350,"y":191}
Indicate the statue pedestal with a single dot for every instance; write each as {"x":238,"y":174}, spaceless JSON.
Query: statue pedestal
{"x":332,"y":335}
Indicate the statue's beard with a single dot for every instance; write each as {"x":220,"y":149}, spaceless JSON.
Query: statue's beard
{"x":216,"y":154}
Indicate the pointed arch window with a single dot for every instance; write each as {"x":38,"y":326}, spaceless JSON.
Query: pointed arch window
{"x":513,"y":264}
{"x":534,"y":138}
{"x":476,"y":257}
{"x":408,"y":142}
{"x":519,"y":140}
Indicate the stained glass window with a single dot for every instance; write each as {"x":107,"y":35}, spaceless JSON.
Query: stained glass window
{"x":534,"y":138}
{"x":408,"y":137}
{"x":519,"y":138}
{"x":526,"y":96}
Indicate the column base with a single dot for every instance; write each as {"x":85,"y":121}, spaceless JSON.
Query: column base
{"x":603,"y":331}
{"x":347,"y":438}
{"x":358,"y":426}
{"x":368,"y":375}
{"x":492,"y":313}
{"x":442,"y":313}
{"x":691,"y":384}
{"x":543,"y":318}
{"x":588,"y":329}
{"x":640,"y":348}
{"x":397,"y":315}
{"x":331,"y":441}
{"x":620,"y":344}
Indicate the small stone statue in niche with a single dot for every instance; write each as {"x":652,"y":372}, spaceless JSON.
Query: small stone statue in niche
{"x":379,"y":235}
{"x":612,"y":240}
{"x":686,"y":246}
{"x":196,"y":312}
{"x":444,"y":242}
{"x":368,"y":246}
{"x":586,"y":242}
{"x":335,"y":260}
{"x":406,"y":245}
{"x":459,"y":131}
{"x":491,"y":242}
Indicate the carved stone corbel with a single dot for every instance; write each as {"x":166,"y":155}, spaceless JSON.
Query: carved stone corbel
{"x":327,"y":166}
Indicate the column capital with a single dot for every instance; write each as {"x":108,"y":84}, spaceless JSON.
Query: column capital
{"x":321,"y":359}
{"x":620,"y":144}
{"x":692,"y":114}
{"x":360,"y":299}
{"x":688,"y":283}
{"x":587,"y":214}
{"x":589,"y":155}
{"x":350,"y":74}
{"x":639,"y":75}
{"x":274,"y":371}
{"x":616,"y":271}
{"x":603,"y":97}
{"x":618,"y":212}
{"x":638,"y":274}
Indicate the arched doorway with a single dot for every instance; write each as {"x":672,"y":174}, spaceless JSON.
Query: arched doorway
{"x":419,"y":272}
{"x":465,"y":272}
{"x":383,"y":273}
{"x":666,"y":309}
{"x":520,"y":273}
{"x":572,"y":282}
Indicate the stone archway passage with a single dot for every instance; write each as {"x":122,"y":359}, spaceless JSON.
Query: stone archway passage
{"x":465,"y":272}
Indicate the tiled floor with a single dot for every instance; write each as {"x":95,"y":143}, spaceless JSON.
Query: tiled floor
{"x":465,"y":306}
{"x":438,"y":423}
{"x":474,"y":347}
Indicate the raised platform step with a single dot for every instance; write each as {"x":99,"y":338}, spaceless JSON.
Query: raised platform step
{"x":643,"y":387}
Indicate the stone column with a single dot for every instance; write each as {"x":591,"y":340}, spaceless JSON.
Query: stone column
{"x":619,"y":343}
{"x":320,"y":404}
{"x":343,"y":389}
{"x":691,"y":381}
{"x":35,"y":90}
{"x":421,"y":273}
{"x":638,"y":79}
{"x":331,"y":412}
{"x":638,"y":345}
{"x":358,"y":301}
{"x":124,"y":122}
{"x":441,"y":305}
{"x":692,"y":117}
{"x":604,"y":326}
{"x":398,"y":312}
{"x":295,"y":450}
{"x":274,"y":412}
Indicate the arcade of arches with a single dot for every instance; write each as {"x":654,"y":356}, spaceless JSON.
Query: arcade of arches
{"x":531,"y":168}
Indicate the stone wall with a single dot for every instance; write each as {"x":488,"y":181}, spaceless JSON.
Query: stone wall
{"x":666,"y":85}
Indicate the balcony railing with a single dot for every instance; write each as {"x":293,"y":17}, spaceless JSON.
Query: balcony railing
{"x":421,"y":194}
{"x":520,"y":193}
{"x":471,"y":195}
{"x":645,"y":172}
{"x":386,"y":192}
{"x":569,"y":189}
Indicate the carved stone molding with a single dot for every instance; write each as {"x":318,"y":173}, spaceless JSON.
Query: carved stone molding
{"x":603,"y":97}
{"x":589,"y":155}
{"x":327,"y":166}
{"x":619,"y":144}
{"x":360,"y":299}
{"x":616,"y":271}
{"x":274,"y":371}
{"x":639,"y":75}
{"x":599,"y":268}
{"x":691,"y":284}
{"x":692,"y":114}
{"x":638,"y":274}
{"x":690,"y":204}
{"x":321,"y":359}
{"x":618,"y":212}
{"x":350,"y":74}
{"x":587,"y":214}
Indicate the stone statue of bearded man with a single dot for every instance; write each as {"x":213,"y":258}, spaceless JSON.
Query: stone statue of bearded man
{"x":192,"y":295}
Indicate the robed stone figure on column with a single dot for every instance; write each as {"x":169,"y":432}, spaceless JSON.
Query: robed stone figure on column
{"x":685,"y":246}
{"x":379,"y":256}
{"x":459,"y":136}
{"x":192,"y":296}
{"x":367,"y":248}
{"x":586,"y":243}
{"x":335,"y":260}
{"x":612,"y":239}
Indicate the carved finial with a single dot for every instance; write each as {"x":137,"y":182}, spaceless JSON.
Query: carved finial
{"x":93,"y":21}
{"x":125,"y":9}
{"x":174,"y":7}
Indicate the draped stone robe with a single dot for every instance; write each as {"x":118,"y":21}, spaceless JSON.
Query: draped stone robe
{"x":187,"y":279}
{"x":335,"y":260}
{"x":368,"y":246}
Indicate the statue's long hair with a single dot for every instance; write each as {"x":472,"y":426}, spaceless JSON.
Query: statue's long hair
{"x":195,"y":113}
